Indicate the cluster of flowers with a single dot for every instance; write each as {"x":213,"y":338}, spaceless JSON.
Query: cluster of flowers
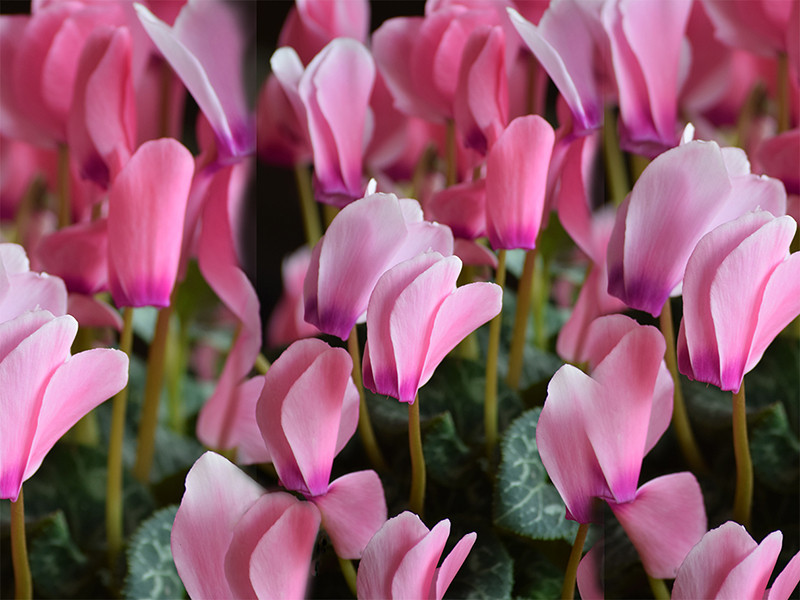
{"x":92,"y":96}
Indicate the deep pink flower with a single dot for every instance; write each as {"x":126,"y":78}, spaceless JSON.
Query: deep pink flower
{"x":416,"y":316}
{"x":46,"y":390}
{"x":401,"y":560}
{"x":740,"y":290}
{"x":146,"y":209}
{"x":759,"y":26}
{"x":727,"y":563}
{"x":231,"y":539}
{"x":682,"y":195}
{"x":516,"y":177}
{"x":307,"y":412}
{"x":79,"y":255}
{"x":364,"y":240}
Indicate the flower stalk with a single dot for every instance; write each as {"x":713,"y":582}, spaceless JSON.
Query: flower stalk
{"x":416,"y":500}
{"x":519,"y":335}
{"x":23,"y":586}
{"x":743,"y":498}
{"x":364,"y":424}
{"x":568,"y":588}
{"x":492,"y":354}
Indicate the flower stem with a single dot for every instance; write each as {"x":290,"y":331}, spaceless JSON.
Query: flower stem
{"x":23,"y":586}
{"x":451,"y":173}
{"x":743,"y":498}
{"x":114,"y":480}
{"x":618,"y":185}
{"x":783,"y":92}
{"x":492,"y":353}
{"x":416,"y":500}
{"x":519,"y":335}
{"x":349,"y":572}
{"x":568,"y":588}
{"x":64,"y":210}
{"x":659,"y":588}
{"x":145,"y":447}
{"x":541,"y":292}
{"x":311,"y":221}
{"x":262,"y":364}
{"x":364,"y":424}
{"x":680,"y":418}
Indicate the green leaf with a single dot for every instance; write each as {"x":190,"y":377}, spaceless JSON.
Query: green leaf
{"x":775,"y":451}
{"x":57,"y":564}
{"x":151,"y":569}
{"x":488,"y":571}
{"x":525,"y":502}
{"x":447,"y":458}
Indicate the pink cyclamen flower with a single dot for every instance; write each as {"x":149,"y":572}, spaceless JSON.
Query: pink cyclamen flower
{"x":516,"y":178}
{"x":22,"y":290}
{"x":45,"y":390}
{"x":594,"y":431}
{"x":759,"y":26}
{"x":416,"y":316}
{"x":79,"y":255}
{"x":401,"y":560}
{"x":727,"y":563}
{"x":682,"y":195}
{"x":287,"y":323}
{"x":740,"y":290}
{"x":146,"y":209}
{"x":206,"y":47}
{"x":364,"y":240}
{"x":307,"y":412}
{"x":232,"y":539}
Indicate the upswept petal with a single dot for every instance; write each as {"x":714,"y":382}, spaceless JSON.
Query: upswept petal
{"x":462,"y":207}
{"x":779,"y":305}
{"x":310,"y":417}
{"x":563,"y":445}
{"x":381,"y":352}
{"x":786,"y":581}
{"x":25,"y":371}
{"x":357,"y":248}
{"x":353,"y":510}
{"x":146,"y":209}
{"x":79,"y":255}
{"x":244,"y":434}
{"x":280,"y":563}
{"x":210,"y":71}
{"x":620,"y":456}
{"x":516,"y":177}
{"x":217,"y":495}
{"x":664,"y":522}
{"x":33,"y":291}
{"x":450,"y":565}
{"x":384,"y":553}
{"x":79,"y":385}
{"x":565,"y":44}
{"x":703,"y":571}
{"x":750,"y":577}
{"x":588,"y":574}
{"x":685,"y":187}
{"x":412,"y":319}
{"x":414,"y":575}
{"x":462,"y":312}
{"x":697,"y":340}
{"x":392,"y":45}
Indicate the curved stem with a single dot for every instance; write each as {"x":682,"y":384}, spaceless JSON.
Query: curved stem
{"x":114,"y":480}
{"x":311,"y":220}
{"x":23,"y":585}
{"x":680,"y":418}
{"x":349,"y":572}
{"x":568,"y":588}
{"x":364,"y":424}
{"x":659,"y":588}
{"x":416,"y":500}
{"x":743,"y":498}
{"x":154,"y":381}
{"x":492,"y":353}
{"x":519,"y":335}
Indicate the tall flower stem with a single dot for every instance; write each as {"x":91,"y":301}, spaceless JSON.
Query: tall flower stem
{"x":114,"y":480}
{"x":64,"y":209}
{"x":618,"y":184}
{"x":743,"y":498}
{"x":311,"y":220}
{"x":659,"y":588}
{"x":568,"y":587}
{"x":492,"y":353}
{"x":451,"y":171}
{"x":680,"y":417}
{"x":349,"y":572}
{"x":154,"y":381}
{"x":364,"y":424}
{"x":541,"y":292}
{"x":783,"y":92}
{"x":416,"y":500}
{"x":23,"y":586}
{"x":519,"y":335}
